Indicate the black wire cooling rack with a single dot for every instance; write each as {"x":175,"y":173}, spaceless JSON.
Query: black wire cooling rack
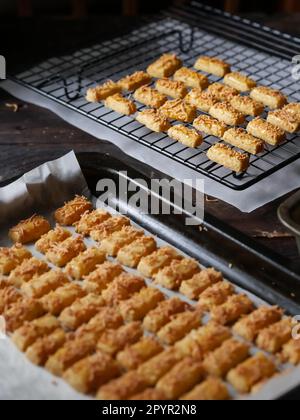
{"x":189,"y":31}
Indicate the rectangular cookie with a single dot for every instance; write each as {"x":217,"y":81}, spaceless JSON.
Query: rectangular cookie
{"x":122,"y":388}
{"x":81,"y":311}
{"x":29,"y":230}
{"x":193,"y":287}
{"x":294,"y":110}
{"x":185,"y":135}
{"x":212,"y":65}
{"x":154,"y":120}
{"x":39,"y":352}
{"x":252,"y":371}
{"x":122,"y":288}
{"x":90,"y":220}
{"x":216,"y":295}
{"x":284,"y":121}
{"x":3,"y":283}
{"x":87,"y":375}
{"x":291,"y":352}
{"x":118,"y":240}
{"x":265,"y":131}
{"x":172,"y":88}
{"x":222,"y":92}
{"x":30,"y":332}
{"x":172,"y":276}
{"x":44,"y":284}
{"x":231,"y":353}
{"x":150,"y":97}
{"x":133,"y":356}
{"x":113,"y":341}
{"x":229,"y":158}
{"x":101,"y":92}
{"x":234,"y":308}
{"x":21,"y":311}
{"x":163,"y":313}
{"x":54,"y":236}
{"x":103,"y":275}
{"x":179,"y":110}
{"x":247,"y":106}
{"x":212,"y":389}
{"x":225,"y":113}
{"x":159,"y":259}
{"x":107,"y":228}
{"x":72,"y":211}
{"x":239,"y":82}
{"x":181,"y":378}
{"x":57,"y":300}
{"x":10,"y":258}
{"x":165,"y":66}
{"x":85,"y":263}
{"x":8,"y":296}
{"x":132,"y":254}
{"x":134,"y":81}
{"x":191,"y":78}
{"x":210,"y":126}
{"x":120,"y":104}
{"x":269,"y":97}
{"x":137,"y":307}
{"x":179,"y":326}
{"x":250,"y":326}
{"x":274,"y":337}
{"x":28,"y":270}
{"x":62,"y":253}
{"x":201,"y":100}
{"x":150,"y":394}
{"x":106,"y":318}
{"x":240,"y":138}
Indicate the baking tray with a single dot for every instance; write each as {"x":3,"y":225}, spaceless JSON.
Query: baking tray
{"x":289,"y":215}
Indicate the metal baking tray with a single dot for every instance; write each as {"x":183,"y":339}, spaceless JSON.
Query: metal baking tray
{"x":289,"y":215}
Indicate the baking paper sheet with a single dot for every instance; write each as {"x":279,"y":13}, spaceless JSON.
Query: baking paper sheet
{"x":46,"y":188}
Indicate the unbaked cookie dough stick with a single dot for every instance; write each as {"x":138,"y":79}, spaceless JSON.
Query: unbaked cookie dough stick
{"x":113,"y":341}
{"x":21,"y":311}
{"x":46,"y":283}
{"x":154,"y":120}
{"x":239,"y":137}
{"x":215,"y":295}
{"x":284,"y":121}
{"x":30,"y":332}
{"x":179,"y":327}
{"x":228,"y":356}
{"x":229,"y":158}
{"x":274,"y":337}
{"x":212,"y":65}
{"x":193,"y":287}
{"x":133,"y":356}
{"x":225,"y":113}
{"x":185,"y":135}
{"x":132,"y":254}
{"x":123,"y":388}
{"x":8,"y":296}
{"x":191,"y":78}
{"x":213,"y":389}
{"x":28,"y":270}
{"x":239,"y":82}
{"x":247,"y":105}
{"x":250,"y":326}
{"x":52,"y":237}
{"x":181,"y":378}
{"x":265,"y":131}
{"x":101,"y":92}
{"x":201,"y":100}
{"x":137,"y":307}
{"x":89,"y":374}
{"x":172,"y":276}
{"x":120,"y":104}
{"x":62,"y":253}
{"x":179,"y":110}
{"x":134,"y":81}
{"x":122,"y":288}
{"x":10,"y":258}
{"x":150,"y":265}
{"x":56,"y":301}
{"x":85,"y":263}
{"x":249,"y":373}
{"x":29,"y":230}
{"x":291,"y":352}
{"x":102,"y":276}
{"x":118,"y":240}
{"x":72,"y":211}
{"x":269,"y":97}
{"x":39,"y":352}
{"x":165,"y":66}
{"x":210,"y":126}
{"x":163,"y":313}
{"x":110,"y":226}
{"x":222,"y":92}
{"x":150,"y":97}
{"x":81,"y":311}
{"x":90,"y":221}
{"x":294,"y":110}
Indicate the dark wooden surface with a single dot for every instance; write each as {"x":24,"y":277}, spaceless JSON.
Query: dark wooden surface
{"x":32,"y":135}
